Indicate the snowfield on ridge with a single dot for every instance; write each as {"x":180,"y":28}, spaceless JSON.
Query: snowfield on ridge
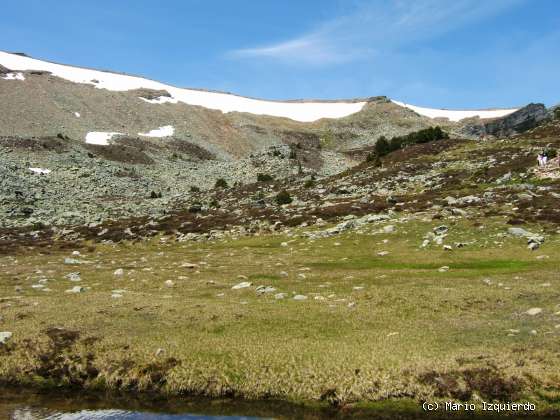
{"x":457,"y":115}
{"x":303,"y":111}
{"x":299,"y":111}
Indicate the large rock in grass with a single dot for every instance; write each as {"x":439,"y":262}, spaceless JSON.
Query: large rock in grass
{"x":533,"y":239}
{"x":5,"y":336}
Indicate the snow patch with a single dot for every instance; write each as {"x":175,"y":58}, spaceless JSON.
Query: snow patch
{"x":14,"y":76}
{"x":225,"y":102}
{"x":101,"y":138}
{"x":77,"y":114}
{"x":40,"y":171}
{"x":161,"y":100}
{"x":457,"y":115}
{"x":165,"y":131}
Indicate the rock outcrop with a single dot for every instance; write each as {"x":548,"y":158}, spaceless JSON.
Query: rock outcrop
{"x":522,"y":120}
{"x":517,"y":122}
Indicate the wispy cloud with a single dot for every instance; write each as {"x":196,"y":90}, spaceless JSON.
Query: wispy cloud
{"x":373,"y":27}
{"x":310,"y":49}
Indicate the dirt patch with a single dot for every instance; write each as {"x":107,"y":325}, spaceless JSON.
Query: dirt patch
{"x":62,"y":338}
{"x":191,"y":149}
{"x":446,"y":385}
{"x":492,"y":385}
{"x":34,"y":144}
{"x":127,"y":150}
{"x":488,"y":383}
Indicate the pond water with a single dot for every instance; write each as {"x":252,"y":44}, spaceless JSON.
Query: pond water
{"x":30,"y":413}
{"x":22,"y":405}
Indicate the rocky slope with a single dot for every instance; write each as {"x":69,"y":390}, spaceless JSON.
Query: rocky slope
{"x":165,"y":150}
{"x":445,"y":179}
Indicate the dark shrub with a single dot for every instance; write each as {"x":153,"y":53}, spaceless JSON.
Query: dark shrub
{"x":264,"y":178}
{"x":382,"y":146}
{"x":195,"y":189}
{"x":221,"y":183}
{"x":309,"y":183}
{"x":283,"y":197}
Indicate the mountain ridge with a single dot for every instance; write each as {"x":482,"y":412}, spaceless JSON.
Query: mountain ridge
{"x":361,"y":100}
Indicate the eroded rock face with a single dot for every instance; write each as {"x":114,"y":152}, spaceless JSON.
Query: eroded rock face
{"x":522,"y":120}
{"x":517,"y":122}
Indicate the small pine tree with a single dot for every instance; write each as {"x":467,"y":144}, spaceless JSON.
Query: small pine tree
{"x":195,"y":189}
{"x":381,"y":146}
{"x":221,"y":183}
{"x":283,"y":197}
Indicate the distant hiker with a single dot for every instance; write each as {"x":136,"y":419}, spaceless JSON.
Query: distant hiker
{"x":544,"y":157}
{"x":540,"y":159}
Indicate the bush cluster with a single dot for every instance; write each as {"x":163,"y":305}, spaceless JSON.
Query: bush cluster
{"x":264,"y":178}
{"x":221,"y":183}
{"x":384,"y":147}
{"x":283,"y":197}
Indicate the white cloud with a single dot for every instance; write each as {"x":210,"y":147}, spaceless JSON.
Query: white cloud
{"x":312,"y":49}
{"x":376,"y":26}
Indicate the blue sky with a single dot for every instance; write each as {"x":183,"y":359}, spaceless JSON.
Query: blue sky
{"x":439,"y":53}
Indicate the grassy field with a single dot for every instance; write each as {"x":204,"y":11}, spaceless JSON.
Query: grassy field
{"x":394,"y":326}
